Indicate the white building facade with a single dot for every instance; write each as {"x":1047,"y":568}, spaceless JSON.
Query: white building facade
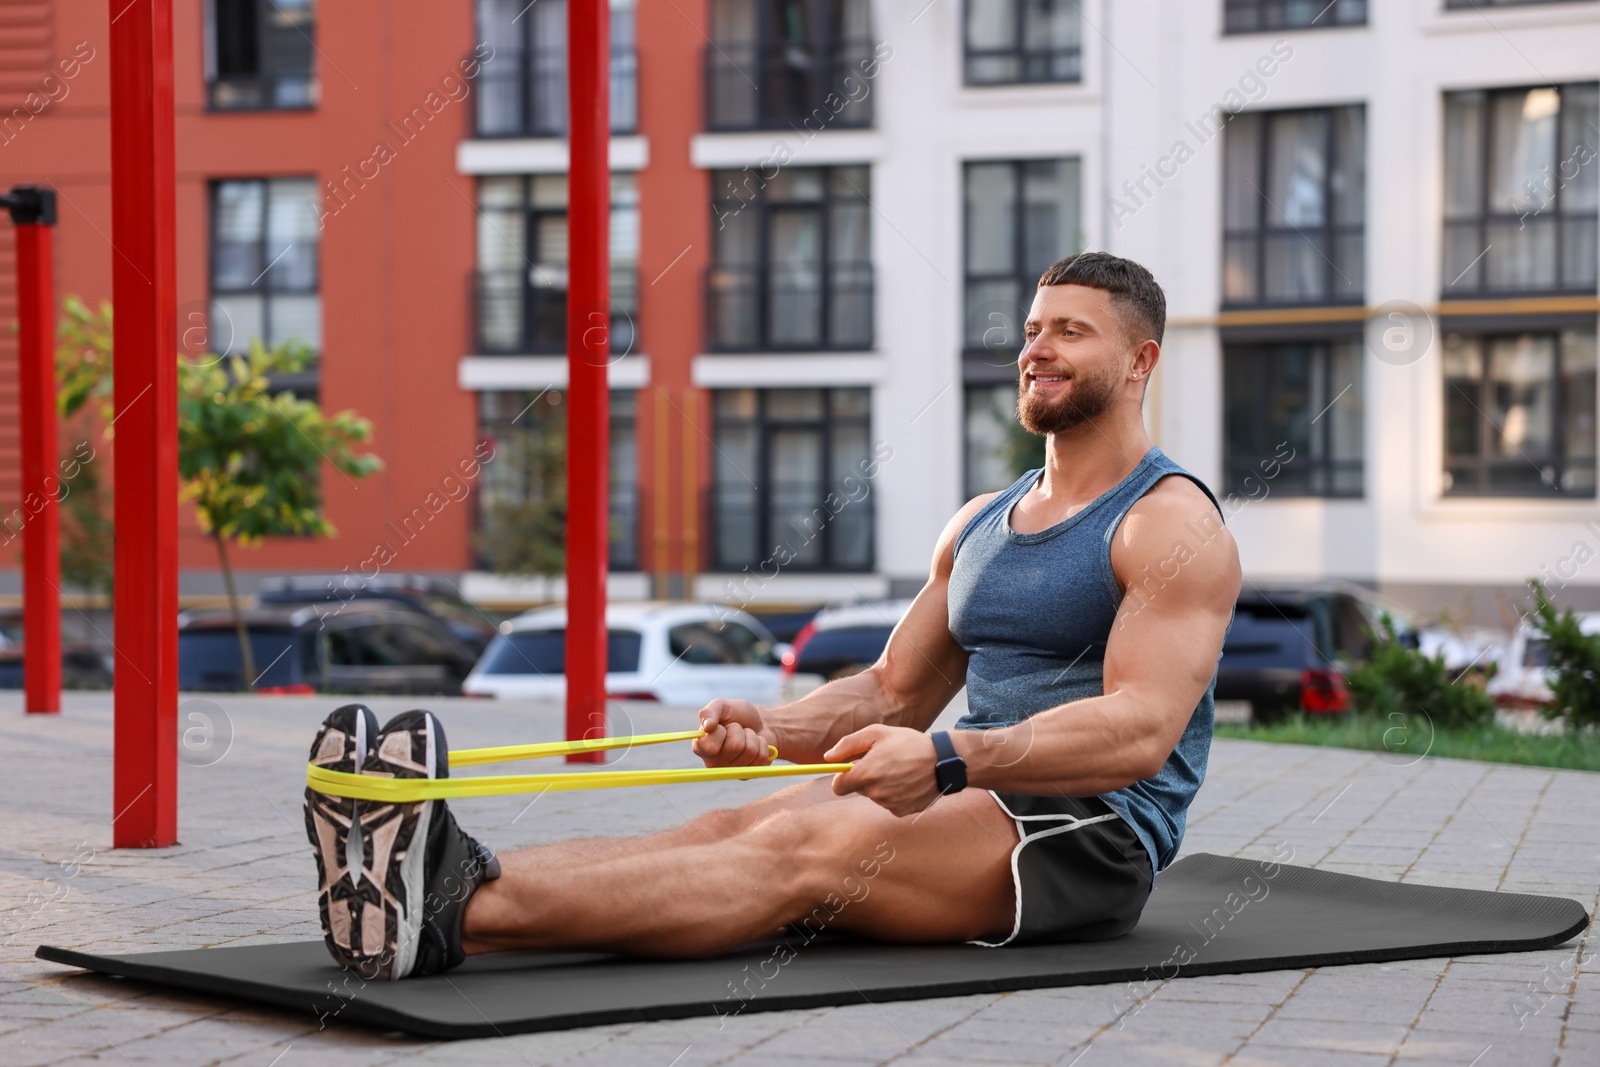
{"x":1383,"y":266}
{"x":1375,"y":224}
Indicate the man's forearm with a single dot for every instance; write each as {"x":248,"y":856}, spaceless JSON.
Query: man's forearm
{"x":1084,"y":748}
{"x":808,"y":727}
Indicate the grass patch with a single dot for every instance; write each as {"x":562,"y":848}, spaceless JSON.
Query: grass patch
{"x":1491,"y":743}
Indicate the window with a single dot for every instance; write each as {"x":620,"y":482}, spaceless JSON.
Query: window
{"x":264,"y":264}
{"x":522,"y":88}
{"x":1292,"y":418}
{"x":998,"y":449}
{"x":416,"y":645}
{"x":791,"y":485}
{"x":1252,"y":16}
{"x":361,"y":645}
{"x":522,"y":501}
{"x":1020,"y":217}
{"x":1010,"y":41}
{"x":1520,"y":190}
{"x":520,"y":287}
{"x":717,"y":642}
{"x":545,"y":652}
{"x":752,"y":647}
{"x":1519,"y":414}
{"x":791,"y":260}
{"x":259,"y":54}
{"x":776,"y":63}
{"x":1468,"y":5}
{"x":1294,"y":212}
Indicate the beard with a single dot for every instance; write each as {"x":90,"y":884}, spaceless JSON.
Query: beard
{"x":1091,"y":396}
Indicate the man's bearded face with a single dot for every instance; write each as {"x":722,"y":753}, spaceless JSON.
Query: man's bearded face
{"x":1055,"y":399}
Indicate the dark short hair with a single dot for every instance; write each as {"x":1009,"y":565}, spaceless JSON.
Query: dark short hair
{"x":1133,"y":289}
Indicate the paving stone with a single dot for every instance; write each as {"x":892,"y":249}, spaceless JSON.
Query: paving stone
{"x":1269,"y":1056}
{"x":1121,"y":1050}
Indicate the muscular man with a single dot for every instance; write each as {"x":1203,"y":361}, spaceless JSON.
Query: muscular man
{"x":1084,"y":609}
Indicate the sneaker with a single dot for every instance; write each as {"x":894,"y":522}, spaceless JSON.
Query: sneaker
{"x":457,"y":865}
{"x":334,"y":826}
{"x":426,"y":867}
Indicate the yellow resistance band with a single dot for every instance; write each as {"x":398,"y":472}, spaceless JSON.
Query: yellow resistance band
{"x":408,"y":790}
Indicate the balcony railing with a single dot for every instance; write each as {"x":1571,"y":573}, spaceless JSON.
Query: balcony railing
{"x":1255,"y":16}
{"x":773,"y":85}
{"x":789,"y":308}
{"x":1504,"y":254}
{"x":524,"y":312}
{"x":283,"y":91}
{"x":1021,"y":66}
{"x":525,"y":94}
{"x":1453,"y":5}
{"x":1275,"y":266}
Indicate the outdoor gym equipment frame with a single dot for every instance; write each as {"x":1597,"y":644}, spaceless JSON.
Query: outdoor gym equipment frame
{"x":144,"y":288}
{"x":33,"y":212}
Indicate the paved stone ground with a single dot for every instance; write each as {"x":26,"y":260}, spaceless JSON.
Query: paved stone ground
{"x":244,"y":874}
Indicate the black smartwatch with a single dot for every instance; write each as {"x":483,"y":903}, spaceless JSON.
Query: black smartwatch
{"x":949,"y":769}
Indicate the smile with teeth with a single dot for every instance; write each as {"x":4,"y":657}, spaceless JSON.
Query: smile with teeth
{"x":1046,"y":378}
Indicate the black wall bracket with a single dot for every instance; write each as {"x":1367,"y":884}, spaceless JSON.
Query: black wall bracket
{"x":34,"y":204}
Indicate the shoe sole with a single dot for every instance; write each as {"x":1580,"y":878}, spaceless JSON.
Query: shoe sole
{"x":333,"y":825}
{"x":396,"y":837}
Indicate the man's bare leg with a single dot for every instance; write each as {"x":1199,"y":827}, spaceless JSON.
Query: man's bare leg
{"x":943,"y":875}
{"x":710,"y":826}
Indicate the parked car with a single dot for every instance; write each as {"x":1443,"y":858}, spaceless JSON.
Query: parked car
{"x":785,"y":625}
{"x":844,"y":640}
{"x":672,"y":653}
{"x":1347,"y":612}
{"x":372,"y":646}
{"x":472,"y":626}
{"x":1287,"y":650}
{"x":1525,"y":674}
{"x":82,"y":665}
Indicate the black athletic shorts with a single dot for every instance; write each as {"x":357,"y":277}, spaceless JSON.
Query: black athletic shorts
{"x":1080,"y":872}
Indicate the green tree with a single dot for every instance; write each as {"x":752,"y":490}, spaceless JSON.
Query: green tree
{"x":1397,"y":679}
{"x":88,"y":547}
{"x":83,"y":363}
{"x":249,"y":459}
{"x":1575,"y":658}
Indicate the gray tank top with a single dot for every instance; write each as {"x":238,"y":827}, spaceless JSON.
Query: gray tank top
{"x":1034,"y":612}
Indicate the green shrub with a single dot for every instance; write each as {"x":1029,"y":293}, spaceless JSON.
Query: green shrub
{"x":1575,"y":657}
{"x":1401,"y":680}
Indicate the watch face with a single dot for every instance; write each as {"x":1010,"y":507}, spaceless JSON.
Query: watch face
{"x":951,"y":775}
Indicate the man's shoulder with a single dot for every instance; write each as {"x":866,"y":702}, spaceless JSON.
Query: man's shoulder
{"x":944,"y":551}
{"x":1176,"y":496}
{"x":972,"y":507}
{"x":1175,"y":524}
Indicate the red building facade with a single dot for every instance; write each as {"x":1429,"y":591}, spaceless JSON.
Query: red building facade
{"x":326,"y":191}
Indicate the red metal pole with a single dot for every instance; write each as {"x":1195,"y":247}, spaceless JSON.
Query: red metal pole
{"x":588,"y":349}
{"x":33,"y":210}
{"x":145,"y":395}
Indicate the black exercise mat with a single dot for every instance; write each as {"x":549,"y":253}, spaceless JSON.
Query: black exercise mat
{"x":1208,"y":915}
